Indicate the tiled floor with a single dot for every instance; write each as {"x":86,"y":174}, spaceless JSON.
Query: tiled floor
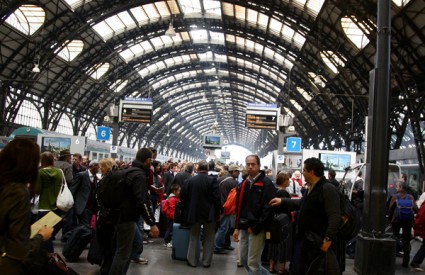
{"x":160,"y":263}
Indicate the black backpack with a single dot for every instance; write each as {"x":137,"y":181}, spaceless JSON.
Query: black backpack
{"x":350,"y":219}
{"x":112,"y":189}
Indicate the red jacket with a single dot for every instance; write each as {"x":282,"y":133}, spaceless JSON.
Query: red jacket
{"x":419,"y":227}
{"x":169,"y":206}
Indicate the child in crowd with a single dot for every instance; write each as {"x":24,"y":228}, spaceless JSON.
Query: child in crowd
{"x":168,"y":207}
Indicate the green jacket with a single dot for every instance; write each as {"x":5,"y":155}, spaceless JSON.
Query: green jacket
{"x":48,"y":185}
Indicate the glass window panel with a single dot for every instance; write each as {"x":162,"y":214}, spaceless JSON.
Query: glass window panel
{"x":27,"y":19}
{"x":151,"y":10}
{"x":199,"y":36}
{"x":71,"y":49}
{"x":76,"y":3}
{"x":240,"y":12}
{"x":353,"y":32}
{"x":332,"y":60}
{"x":28,"y":114}
{"x":139,"y":14}
{"x":65,"y":125}
{"x":401,"y":3}
{"x":99,"y":70}
{"x":228,"y":9}
{"x":252,"y":16}
{"x":190,"y":6}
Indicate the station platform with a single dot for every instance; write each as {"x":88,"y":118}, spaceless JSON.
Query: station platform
{"x":161,"y":263}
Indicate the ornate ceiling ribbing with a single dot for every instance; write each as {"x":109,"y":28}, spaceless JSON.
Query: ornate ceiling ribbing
{"x":226,"y":54}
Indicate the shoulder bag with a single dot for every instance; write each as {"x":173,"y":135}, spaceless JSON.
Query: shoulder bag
{"x":65,"y":200}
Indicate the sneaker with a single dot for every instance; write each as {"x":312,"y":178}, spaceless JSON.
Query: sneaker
{"x":416,"y":267}
{"x":169,"y":245}
{"x":140,"y":261}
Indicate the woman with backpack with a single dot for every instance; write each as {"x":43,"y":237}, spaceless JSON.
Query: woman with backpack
{"x":401,"y":216}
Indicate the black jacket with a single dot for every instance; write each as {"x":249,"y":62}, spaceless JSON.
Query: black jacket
{"x":253,"y":203}
{"x":138,"y":201}
{"x":201,"y":198}
{"x":318,"y":212}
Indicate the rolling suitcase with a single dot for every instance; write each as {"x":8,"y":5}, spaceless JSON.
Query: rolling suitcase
{"x":77,"y":242}
{"x":180,"y":242}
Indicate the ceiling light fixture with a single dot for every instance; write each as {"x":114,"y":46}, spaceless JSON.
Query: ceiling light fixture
{"x":171,"y":31}
{"x":36,"y":68}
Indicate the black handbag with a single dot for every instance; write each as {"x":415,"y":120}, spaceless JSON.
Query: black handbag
{"x":278,"y":231}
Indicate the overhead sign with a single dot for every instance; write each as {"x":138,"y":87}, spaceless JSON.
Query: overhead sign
{"x":114,"y":149}
{"x":293,"y":144}
{"x":262,"y":116}
{"x":138,"y":110}
{"x":225,"y":155}
{"x":103,"y":133}
{"x":280,"y":159}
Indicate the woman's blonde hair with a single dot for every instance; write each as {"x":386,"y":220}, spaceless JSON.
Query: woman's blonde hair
{"x":108,"y":163}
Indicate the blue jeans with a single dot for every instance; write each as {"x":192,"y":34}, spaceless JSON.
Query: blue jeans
{"x":169,"y":233}
{"x":222,"y":233}
{"x":125,"y":236}
{"x":251,"y":248}
{"x":138,"y":240}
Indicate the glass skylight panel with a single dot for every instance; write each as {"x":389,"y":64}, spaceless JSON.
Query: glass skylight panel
{"x":190,"y":6}
{"x":353,"y":32}
{"x":240,"y":12}
{"x":199,"y":36}
{"x":228,"y":9}
{"x":296,"y":105}
{"x":332,"y":60}
{"x":212,"y":7}
{"x":177,"y":123}
{"x":252,"y":16}
{"x":99,"y":71}
{"x":401,"y":3}
{"x":71,"y":50}
{"x":119,"y":85}
{"x":139,"y":14}
{"x":27,"y":19}
{"x":217,"y":38}
{"x":304,"y":93}
{"x":76,"y":3}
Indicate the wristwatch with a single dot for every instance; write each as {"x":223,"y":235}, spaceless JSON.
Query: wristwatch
{"x":327,"y":239}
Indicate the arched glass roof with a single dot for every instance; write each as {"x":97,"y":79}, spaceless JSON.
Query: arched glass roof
{"x":298,"y":54}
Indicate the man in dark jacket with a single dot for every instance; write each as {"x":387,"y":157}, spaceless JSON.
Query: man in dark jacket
{"x":318,"y":223}
{"x":181,"y":177}
{"x":201,"y":197}
{"x":253,"y":214}
{"x":136,"y":203}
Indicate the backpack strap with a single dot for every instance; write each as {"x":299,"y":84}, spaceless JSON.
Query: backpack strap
{"x":226,"y":179}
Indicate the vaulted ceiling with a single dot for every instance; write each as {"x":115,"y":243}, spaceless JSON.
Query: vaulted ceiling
{"x":298,"y":54}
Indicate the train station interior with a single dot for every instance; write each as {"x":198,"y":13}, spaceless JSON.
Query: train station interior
{"x":190,"y":76}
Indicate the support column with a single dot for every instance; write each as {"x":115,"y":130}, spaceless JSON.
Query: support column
{"x":375,"y":254}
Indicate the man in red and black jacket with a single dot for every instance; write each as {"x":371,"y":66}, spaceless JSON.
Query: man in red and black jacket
{"x":253,"y":214}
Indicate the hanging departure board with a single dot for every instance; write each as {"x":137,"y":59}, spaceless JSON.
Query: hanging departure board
{"x":262,"y":116}
{"x":137,"y":110}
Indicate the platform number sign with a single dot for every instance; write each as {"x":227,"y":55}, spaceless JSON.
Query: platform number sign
{"x":103,"y":133}
{"x":293,"y":144}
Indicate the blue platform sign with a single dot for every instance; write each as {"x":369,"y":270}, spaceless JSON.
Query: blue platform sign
{"x":293,"y":144}
{"x":103,"y":133}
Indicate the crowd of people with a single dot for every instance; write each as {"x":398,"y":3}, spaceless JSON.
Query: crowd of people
{"x":311,"y":245}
